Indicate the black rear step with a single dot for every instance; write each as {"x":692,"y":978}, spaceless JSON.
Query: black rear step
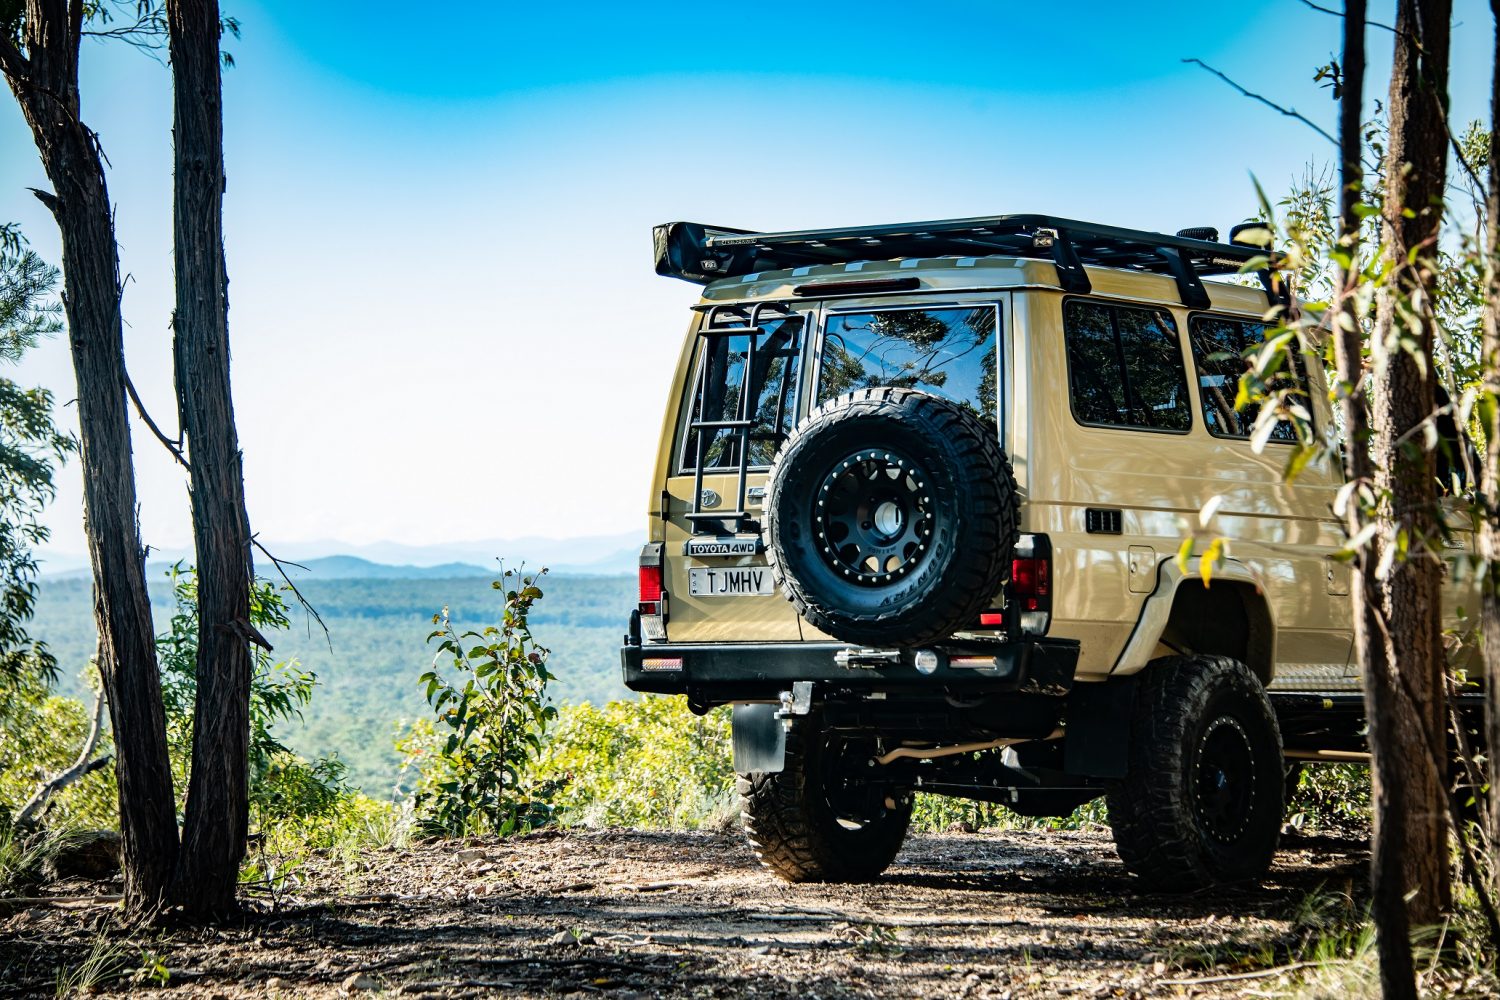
{"x":701,"y":254}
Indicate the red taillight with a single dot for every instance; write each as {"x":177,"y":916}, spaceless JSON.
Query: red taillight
{"x":992,"y":619}
{"x":1029,"y":582}
{"x":650,"y":590}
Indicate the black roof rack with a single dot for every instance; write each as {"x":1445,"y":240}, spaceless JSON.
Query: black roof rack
{"x":702,"y":254}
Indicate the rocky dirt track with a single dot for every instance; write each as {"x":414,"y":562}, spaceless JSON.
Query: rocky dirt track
{"x":633,"y":914}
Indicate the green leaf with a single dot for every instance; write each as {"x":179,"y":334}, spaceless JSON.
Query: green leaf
{"x":1210,"y":560}
{"x":1184,"y":553}
{"x":1488,"y":408}
{"x":1361,"y":538}
{"x":1297,"y":461}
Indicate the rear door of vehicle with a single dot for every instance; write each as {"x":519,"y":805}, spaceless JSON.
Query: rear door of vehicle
{"x":949,"y":347}
{"x":744,"y":394}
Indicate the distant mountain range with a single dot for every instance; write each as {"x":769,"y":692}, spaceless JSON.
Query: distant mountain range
{"x":331,"y":560}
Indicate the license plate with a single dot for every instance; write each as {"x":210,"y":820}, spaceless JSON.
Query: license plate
{"x":715,"y":581}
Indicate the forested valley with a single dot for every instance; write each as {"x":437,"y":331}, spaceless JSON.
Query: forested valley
{"x":367,"y":664}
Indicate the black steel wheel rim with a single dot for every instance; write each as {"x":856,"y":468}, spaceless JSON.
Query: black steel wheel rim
{"x":873,"y":517}
{"x":1224,"y":780}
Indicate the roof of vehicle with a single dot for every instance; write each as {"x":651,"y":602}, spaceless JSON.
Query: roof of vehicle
{"x":1072,"y":250}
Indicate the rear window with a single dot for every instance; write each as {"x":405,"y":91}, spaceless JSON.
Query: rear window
{"x":724,"y":378}
{"x":949,"y":352}
{"x":1125,"y":367}
{"x":1219,"y":347}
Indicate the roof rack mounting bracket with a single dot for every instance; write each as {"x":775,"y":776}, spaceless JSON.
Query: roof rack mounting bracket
{"x":1070,"y":272}
{"x":1189,"y":286}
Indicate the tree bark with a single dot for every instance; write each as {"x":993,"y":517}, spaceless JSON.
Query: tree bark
{"x":1489,"y":530}
{"x":1405,"y":693}
{"x":45,"y":83}
{"x":1393,"y":929}
{"x":217,"y":803}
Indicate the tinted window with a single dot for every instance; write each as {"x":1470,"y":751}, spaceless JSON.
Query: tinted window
{"x":725,"y":378}
{"x":1219,"y":347}
{"x":949,"y":352}
{"x":1125,"y":367}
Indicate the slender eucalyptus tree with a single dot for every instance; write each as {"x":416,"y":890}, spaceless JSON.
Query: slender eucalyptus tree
{"x":1406,"y":698}
{"x":217,"y":800}
{"x":39,"y":43}
{"x":1489,"y":532}
{"x":1393,"y":927}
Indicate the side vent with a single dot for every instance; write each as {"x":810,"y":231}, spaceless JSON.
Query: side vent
{"x":1103,"y":520}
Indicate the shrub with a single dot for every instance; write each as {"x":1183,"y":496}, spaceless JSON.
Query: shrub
{"x":40,"y":736}
{"x":492,"y":714}
{"x":936,"y":814}
{"x":1332,"y":797}
{"x":283,"y":785}
{"x":645,"y":762}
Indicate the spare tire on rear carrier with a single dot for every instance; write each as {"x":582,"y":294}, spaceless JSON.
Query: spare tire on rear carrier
{"x":890,"y":517}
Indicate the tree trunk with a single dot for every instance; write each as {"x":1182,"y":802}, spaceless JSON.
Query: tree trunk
{"x":1393,"y":929}
{"x":1489,"y":531}
{"x":1405,"y":694}
{"x":45,"y":84}
{"x":217,"y":802}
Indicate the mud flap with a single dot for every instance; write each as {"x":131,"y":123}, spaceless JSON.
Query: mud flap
{"x":1098,"y":728}
{"x":759,"y":739}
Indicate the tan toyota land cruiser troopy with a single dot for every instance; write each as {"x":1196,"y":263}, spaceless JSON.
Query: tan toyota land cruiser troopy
{"x":916,"y":515}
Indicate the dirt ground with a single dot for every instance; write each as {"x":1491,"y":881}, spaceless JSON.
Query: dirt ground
{"x":633,"y":914}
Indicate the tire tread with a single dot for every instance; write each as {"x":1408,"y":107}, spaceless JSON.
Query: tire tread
{"x":778,"y":810}
{"x":1149,"y":814}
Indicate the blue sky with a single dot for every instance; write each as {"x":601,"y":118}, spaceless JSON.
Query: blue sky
{"x":444,"y":320}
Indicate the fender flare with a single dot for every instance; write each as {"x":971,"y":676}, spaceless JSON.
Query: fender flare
{"x":1156,"y":611}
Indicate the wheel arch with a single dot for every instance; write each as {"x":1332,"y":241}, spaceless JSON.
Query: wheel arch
{"x":1227,"y":616}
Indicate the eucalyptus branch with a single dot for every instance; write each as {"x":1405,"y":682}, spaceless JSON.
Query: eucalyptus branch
{"x":1339,"y":13}
{"x":149,"y":31}
{"x":1289,"y":112}
{"x":147,"y":35}
{"x":175,"y":447}
{"x":12,"y":63}
{"x":306,"y":604}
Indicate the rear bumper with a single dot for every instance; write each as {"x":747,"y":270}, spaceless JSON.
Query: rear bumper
{"x":716,"y":673}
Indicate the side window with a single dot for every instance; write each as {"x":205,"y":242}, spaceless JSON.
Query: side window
{"x":949,"y":352}
{"x":1125,"y":367}
{"x":1219,"y":347}
{"x":725,"y":377}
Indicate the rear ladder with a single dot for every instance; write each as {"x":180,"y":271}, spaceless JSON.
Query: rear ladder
{"x":714,"y":325}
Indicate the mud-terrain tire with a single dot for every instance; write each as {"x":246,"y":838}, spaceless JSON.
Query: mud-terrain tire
{"x":1202,"y":803}
{"x":795,"y":830}
{"x":890,"y":517}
